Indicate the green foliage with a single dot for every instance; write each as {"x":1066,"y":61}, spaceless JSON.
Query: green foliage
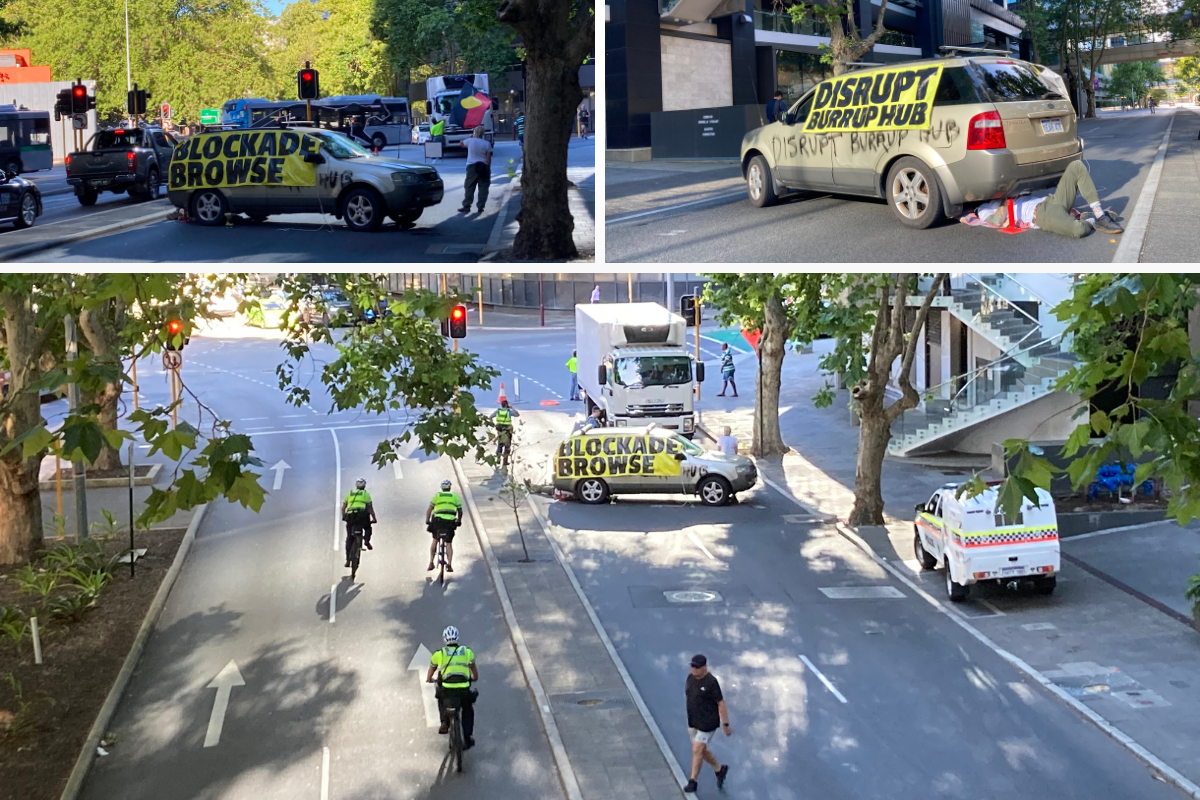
{"x":72,"y":607}
{"x":37,"y":582}
{"x":335,"y":35}
{"x":25,"y":717}
{"x":13,"y":625}
{"x":1193,"y":591}
{"x":1187,"y":72}
{"x":1134,"y":79}
{"x":88,"y":582}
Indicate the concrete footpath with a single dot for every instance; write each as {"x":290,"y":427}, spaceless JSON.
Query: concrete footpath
{"x":610,"y":749}
{"x":1114,"y":636}
{"x":1171,"y":236}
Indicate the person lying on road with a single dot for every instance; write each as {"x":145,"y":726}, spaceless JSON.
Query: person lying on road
{"x":1054,"y":213}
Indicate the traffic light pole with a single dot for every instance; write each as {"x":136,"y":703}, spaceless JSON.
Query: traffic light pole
{"x":309,"y":104}
{"x":78,"y":471}
{"x":697,"y":322}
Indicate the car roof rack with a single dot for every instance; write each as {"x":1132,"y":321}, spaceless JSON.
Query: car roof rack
{"x":865,"y":64}
{"x":952,"y":50}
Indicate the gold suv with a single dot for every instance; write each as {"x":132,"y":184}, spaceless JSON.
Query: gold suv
{"x":927,"y":136}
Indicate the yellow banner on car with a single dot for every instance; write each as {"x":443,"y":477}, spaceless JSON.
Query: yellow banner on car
{"x":606,"y":455}
{"x":894,"y":99}
{"x":244,"y":158}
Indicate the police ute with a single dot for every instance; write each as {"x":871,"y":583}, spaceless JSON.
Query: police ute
{"x":596,"y":464}
{"x":972,"y":539}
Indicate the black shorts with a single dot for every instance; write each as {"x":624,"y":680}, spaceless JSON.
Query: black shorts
{"x":443,"y":529}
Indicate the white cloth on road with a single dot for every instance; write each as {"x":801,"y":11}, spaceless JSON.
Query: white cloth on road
{"x":477,"y":150}
{"x":1023,"y":209}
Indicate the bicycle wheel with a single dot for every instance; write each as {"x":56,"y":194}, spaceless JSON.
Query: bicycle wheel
{"x":441,"y":562}
{"x":355,"y":552}
{"x":456,"y":739}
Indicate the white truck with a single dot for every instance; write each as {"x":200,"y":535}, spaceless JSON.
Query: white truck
{"x":443,"y":92}
{"x":633,"y":363}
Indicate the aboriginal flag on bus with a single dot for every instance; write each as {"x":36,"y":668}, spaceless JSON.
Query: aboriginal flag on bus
{"x":469,"y":108}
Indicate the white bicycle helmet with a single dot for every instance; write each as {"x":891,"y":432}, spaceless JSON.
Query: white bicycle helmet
{"x":361,"y":483}
{"x":445,"y":488}
{"x":450,"y":635}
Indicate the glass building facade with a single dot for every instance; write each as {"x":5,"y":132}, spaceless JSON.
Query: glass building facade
{"x":560,"y":291}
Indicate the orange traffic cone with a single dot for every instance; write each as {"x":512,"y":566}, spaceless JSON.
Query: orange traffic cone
{"x":502,"y":396}
{"x":1012,"y":226}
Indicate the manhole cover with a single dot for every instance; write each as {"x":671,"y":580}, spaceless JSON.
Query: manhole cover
{"x":590,"y":702}
{"x":692,"y":597}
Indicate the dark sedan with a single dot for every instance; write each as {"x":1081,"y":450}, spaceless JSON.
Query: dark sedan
{"x":20,"y":201}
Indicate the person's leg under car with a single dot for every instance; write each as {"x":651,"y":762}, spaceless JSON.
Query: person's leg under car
{"x":1054,"y":215}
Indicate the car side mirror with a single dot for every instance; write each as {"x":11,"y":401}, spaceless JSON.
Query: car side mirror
{"x":790,"y":118}
{"x":699,"y":372}
{"x":920,"y":508}
{"x":680,"y":456}
{"x":314,"y":158}
{"x":602,"y":374}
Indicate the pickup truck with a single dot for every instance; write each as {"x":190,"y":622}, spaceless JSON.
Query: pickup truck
{"x":133,"y":160}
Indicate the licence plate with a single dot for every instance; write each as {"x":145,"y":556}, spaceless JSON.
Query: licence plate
{"x":1052,"y":126}
{"x":1013,"y":571}
{"x":99,"y":181}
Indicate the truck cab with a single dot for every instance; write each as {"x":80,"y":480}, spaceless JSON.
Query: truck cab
{"x":972,"y":539}
{"x":445,"y":92}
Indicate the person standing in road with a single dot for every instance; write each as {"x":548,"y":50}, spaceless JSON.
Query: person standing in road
{"x":584,"y":119}
{"x":1153,"y":104}
{"x":775,"y":107}
{"x":573,"y":368}
{"x":520,"y":123}
{"x":705,"y":713}
{"x":726,"y":443}
{"x":479,"y":169}
{"x":727,"y":371}
{"x":596,"y":294}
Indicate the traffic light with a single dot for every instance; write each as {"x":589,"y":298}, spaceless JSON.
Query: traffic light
{"x":175,"y":338}
{"x":79,"y":99}
{"x":308,"y":83}
{"x":62,"y":105}
{"x":458,"y":322}
{"x":135,"y":101}
{"x":689,"y":309}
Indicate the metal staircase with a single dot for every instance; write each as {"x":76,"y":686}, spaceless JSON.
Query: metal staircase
{"x":1025,"y":372}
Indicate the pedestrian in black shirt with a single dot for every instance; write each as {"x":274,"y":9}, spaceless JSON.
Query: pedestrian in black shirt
{"x":705,"y":713}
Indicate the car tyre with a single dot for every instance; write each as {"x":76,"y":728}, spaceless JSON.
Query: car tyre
{"x":209,"y":207}
{"x":759,"y":183}
{"x":913,"y":193}
{"x":714,"y":491}
{"x":955,"y":591}
{"x":407,"y":217}
{"x":379,"y":140}
{"x":153,"y":186}
{"x":1045,"y":584}
{"x":13,"y":166}
{"x":593,"y":491}
{"x":923,"y":558}
{"x":27,"y":211}
{"x":363,"y":209}
{"x":87,"y":197}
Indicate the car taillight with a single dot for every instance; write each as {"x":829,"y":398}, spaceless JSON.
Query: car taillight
{"x":132,"y":159}
{"x":68,"y":160}
{"x":985,"y":132}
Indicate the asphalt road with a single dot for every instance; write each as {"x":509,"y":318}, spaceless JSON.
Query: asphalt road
{"x":256,"y":591}
{"x":821,"y":227}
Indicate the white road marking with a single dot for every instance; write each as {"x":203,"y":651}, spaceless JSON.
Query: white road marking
{"x":821,"y":676}
{"x":696,"y":541}
{"x":253,"y":419}
{"x":997,"y":612}
{"x":275,"y":431}
{"x":337,"y":491}
{"x":324,"y":773}
{"x":1039,"y":626}
{"x":279,"y":469}
{"x":673,"y":207}
{"x":333,"y":604}
{"x":861,"y":592}
{"x":226,"y":679}
{"x":397,"y":468}
{"x":420,"y":665}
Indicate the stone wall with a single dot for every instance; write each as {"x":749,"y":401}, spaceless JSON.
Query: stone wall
{"x":695,"y":74}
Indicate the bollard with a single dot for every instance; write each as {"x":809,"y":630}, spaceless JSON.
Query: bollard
{"x":517,"y":389}
{"x":1012,"y":222}
{"x":37,"y":639}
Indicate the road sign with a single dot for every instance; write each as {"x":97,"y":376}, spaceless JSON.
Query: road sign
{"x":79,"y":121}
{"x":1095,"y":83}
{"x":210,"y":116}
{"x":165,"y":110}
{"x":172,"y":359}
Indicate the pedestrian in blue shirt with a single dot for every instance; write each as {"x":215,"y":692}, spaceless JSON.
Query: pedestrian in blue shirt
{"x":727,"y":371}
{"x":775,"y":107}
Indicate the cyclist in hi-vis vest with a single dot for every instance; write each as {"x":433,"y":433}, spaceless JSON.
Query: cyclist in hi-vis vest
{"x":458,"y":671}
{"x":357,"y":508}
{"x":503,"y":417}
{"x":442,"y":518}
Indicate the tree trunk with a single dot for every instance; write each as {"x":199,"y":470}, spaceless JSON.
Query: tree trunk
{"x":108,"y":463}
{"x":101,"y":331}
{"x":20,"y":501}
{"x":554,"y":54}
{"x":768,"y":439}
{"x":873,"y":436}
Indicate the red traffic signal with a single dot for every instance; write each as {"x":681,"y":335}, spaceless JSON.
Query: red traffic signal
{"x":306,"y":75}
{"x":308,"y":84}
{"x":79,"y":99}
{"x":458,"y":322}
{"x":175,"y":338}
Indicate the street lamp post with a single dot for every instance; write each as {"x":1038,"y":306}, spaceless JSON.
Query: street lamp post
{"x":128,"y":67}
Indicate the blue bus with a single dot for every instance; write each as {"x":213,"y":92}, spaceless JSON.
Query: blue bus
{"x":24,"y":139}
{"x":253,"y":112}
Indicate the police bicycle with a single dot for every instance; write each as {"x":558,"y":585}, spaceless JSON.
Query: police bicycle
{"x":442,"y":529}
{"x":454,"y":715}
{"x":354,"y":546}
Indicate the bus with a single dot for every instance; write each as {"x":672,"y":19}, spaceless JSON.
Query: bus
{"x":377,"y":121}
{"x":254,"y":112}
{"x":25,"y":139}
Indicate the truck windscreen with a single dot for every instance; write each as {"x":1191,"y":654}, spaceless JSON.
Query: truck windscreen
{"x":638,"y":371}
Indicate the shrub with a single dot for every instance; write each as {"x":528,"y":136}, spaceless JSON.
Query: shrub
{"x":13,"y":625}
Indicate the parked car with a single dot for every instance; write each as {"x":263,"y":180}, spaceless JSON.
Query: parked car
{"x":269,"y":311}
{"x":20,"y":200}
{"x":119,"y":160}
{"x":997,"y":127}
{"x":420,"y":133}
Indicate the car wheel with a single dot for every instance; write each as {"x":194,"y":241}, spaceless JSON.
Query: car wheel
{"x":209,"y":207}
{"x":759,"y":184}
{"x":955,"y":591}
{"x":87,"y":197}
{"x":1045,"y":584}
{"x":28,"y":211}
{"x":913,"y":194}
{"x":363,"y":210}
{"x":714,"y":491}
{"x":153,"y":185}
{"x":13,"y":166}
{"x":923,"y":558}
{"x":407,"y":217}
{"x":592,"y":491}
{"x":379,"y":140}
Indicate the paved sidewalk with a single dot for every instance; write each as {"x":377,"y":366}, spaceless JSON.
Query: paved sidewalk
{"x":1113,"y":635}
{"x":611,"y":750}
{"x":1172,"y":233}
{"x":581,"y":201}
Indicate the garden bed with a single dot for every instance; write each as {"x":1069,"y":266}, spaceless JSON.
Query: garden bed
{"x":46,"y":711}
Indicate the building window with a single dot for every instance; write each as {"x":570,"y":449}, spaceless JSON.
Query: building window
{"x":796,"y":73}
{"x":899,"y":39}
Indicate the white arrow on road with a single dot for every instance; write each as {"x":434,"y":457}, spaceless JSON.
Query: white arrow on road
{"x":279,"y":468}
{"x":420,"y":663}
{"x":226,"y":679}
{"x":397,"y":468}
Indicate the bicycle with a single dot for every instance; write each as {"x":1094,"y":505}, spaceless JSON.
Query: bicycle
{"x":354,"y":545}
{"x":441,"y":554}
{"x":453,"y":713}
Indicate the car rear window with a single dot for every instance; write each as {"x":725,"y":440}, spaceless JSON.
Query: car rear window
{"x":1011,"y":82}
{"x":958,"y":87}
{"x":119,"y":138}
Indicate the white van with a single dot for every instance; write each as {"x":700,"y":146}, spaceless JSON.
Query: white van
{"x":973,"y":540}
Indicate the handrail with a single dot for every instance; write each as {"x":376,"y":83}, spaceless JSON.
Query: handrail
{"x":978,"y":279}
{"x":1029,"y":291}
{"x":1006,"y":354}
